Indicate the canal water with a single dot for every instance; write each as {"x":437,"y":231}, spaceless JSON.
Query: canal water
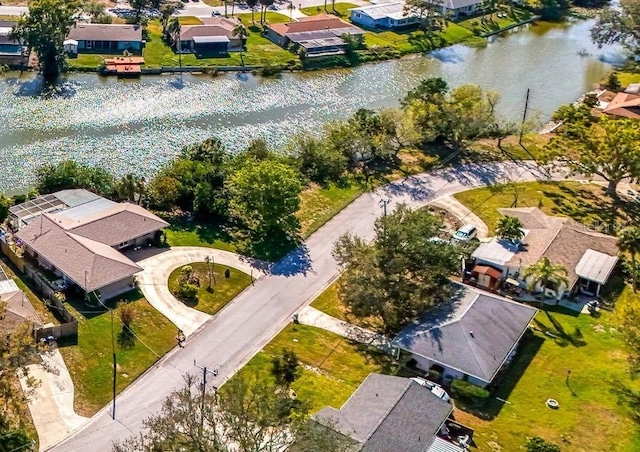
{"x":138,"y":125}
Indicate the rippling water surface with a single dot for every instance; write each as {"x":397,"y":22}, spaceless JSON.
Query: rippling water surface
{"x":138,"y":125}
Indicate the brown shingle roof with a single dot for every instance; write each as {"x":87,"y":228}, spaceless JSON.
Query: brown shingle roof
{"x":313,"y":23}
{"x":625,"y":105}
{"x":90,"y":264}
{"x":106,"y":32}
{"x":213,"y":26}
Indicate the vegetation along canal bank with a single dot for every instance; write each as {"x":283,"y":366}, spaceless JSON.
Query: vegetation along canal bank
{"x":138,"y":125}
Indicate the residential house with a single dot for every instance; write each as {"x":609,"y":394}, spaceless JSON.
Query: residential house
{"x":471,"y":338}
{"x":624,"y":105}
{"x":318,"y":35}
{"x":18,"y":308}
{"x":458,"y":9}
{"x":388,"y":413}
{"x":12,"y":53}
{"x":81,"y":244}
{"x":588,"y":256}
{"x":385,"y":16}
{"x":105,"y":38}
{"x":215,"y":36}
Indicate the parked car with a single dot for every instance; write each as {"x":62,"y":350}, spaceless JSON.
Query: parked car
{"x":435,"y":388}
{"x":465,"y":233}
{"x":216,"y":14}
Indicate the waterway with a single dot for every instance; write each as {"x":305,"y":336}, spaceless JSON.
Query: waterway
{"x":138,"y":125}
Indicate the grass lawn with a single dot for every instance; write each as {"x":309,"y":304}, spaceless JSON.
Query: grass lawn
{"x":88,"y":60}
{"x":329,"y":302}
{"x":319,"y":204}
{"x":271,"y":17}
{"x":339,"y":9}
{"x":586,"y":203}
{"x":589,"y":417}
{"x":494,"y":23}
{"x":333,"y":367}
{"x":195,"y":233}
{"x":223,"y":291}
{"x":260,"y":51}
{"x":627,"y":78}
{"x":90,"y":361}
{"x":533,"y":147}
{"x":189,"y":20}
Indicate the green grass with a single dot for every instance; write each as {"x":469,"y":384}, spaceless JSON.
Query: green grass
{"x":87,"y":60}
{"x":195,"y":233}
{"x":189,"y":20}
{"x":271,"y":17}
{"x":260,"y":51}
{"x":223,"y":290}
{"x":90,"y":361}
{"x":494,"y":23}
{"x":586,"y":203}
{"x":627,"y":78}
{"x":333,"y":367}
{"x":589,"y":417}
{"x":340,"y":10}
{"x":319,"y":204}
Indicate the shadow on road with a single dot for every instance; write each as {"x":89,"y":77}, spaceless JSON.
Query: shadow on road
{"x":297,"y":261}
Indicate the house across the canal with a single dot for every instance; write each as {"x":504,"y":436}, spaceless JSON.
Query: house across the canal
{"x":105,"y":38}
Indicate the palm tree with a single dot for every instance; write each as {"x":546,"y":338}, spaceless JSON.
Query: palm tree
{"x":233,"y":7}
{"x":252,"y":4}
{"x":509,"y":228}
{"x":545,"y":273}
{"x":629,"y":242}
{"x":241,"y":32}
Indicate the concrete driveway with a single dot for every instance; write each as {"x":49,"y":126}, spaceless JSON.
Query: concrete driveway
{"x":157,"y":268}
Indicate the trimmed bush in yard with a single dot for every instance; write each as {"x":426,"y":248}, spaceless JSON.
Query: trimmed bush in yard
{"x":468,"y":392}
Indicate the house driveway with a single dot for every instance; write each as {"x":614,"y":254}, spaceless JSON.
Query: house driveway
{"x":462,"y":213}
{"x":155,"y":275}
{"x":51,"y":403}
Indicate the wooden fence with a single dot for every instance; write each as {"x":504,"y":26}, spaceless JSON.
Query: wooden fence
{"x":13,"y":257}
{"x":65,"y":330}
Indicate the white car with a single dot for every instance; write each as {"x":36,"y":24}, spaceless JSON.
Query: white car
{"x":466,"y":232}
{"x":435,"y":388}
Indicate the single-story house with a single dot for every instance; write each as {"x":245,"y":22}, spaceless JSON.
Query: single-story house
{"x":388,"y":413}
{"x":318,"y":35}
{"x":461,"y":8}
{"x":106,"y":38}
{"x":214,"y":36}
{"x":386,"y":16}
{"x":588,"y":256}
{"x":11,"y":51}
{"x":471,"y":338}
{"x":624,"y":105}
{"x":18,"y":308}
{"x":82,"y":244}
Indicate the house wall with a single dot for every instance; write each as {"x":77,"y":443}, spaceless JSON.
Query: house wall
{"x":461,"y":12}
{"x":109,"y":46}
{"x":425,"y":364}
{"x":117,"y":288}
{"x":359,"y":18}
{"x":276,"y":38}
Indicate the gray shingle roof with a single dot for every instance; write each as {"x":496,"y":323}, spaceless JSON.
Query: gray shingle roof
{"x":475,"y":339}
{"x":388,"y":413}
{"x":106,"y":32}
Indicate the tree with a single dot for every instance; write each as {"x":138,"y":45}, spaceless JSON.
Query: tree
{"x":44,"y":30}
{"x":69,"y":174}
{"x":163,"y":192}
{"x":265,"y":4}
{"x":537,"y":444}
{"x":126,"y":313}
{"x":264,"y":198}
{"x":552,"y":9}
{"x":246,"y":412}
{"x":510,"y":228}
{"x":629,"y":242}
{"x":168,"y":9}
{"x":546,"y":275}
{"x":619,"y":24}
{"x":423,"y":10}
{"x":97,"y":12}
{"x":400,"y":274}
{"x":285,"y":368}
{"x":252,"y":4}
{"x":613,"y":82}
{"x":240,"y":31}
{"x":5,"y":203}
{"x":609,"y":148}
{"x":130,"y":188}
{"x":429,"y":90}
{"x":316,"y":160}
{"x":138,"y":6}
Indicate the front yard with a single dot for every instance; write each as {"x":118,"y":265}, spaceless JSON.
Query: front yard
{"x":90,"y":360}
{"x":222,"y":291}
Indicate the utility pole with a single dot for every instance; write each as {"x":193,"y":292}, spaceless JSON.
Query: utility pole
{"x":203,"y":385}
{"x":385,"y":203}
{"x":524,"y":115}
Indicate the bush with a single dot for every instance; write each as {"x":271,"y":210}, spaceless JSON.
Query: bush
{"x":187,"y":291}
{"x":468,"y":392}
{"x":126,"y":313}
{"x":537,"y":444}
{"x":433,"y":375}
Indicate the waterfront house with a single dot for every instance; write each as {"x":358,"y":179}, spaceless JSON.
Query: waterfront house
{"x":215,"y":36}
{"x":472,"y":337}
{"x":388,"y":413}
{"x":12,"y":53}
{"x":588,"y":256}
{"x":106,"y":38}
{"x":78,"y":237}
{"x":458,"y":9}
{"x":318,"y":35}
{"x":624,"y":105}
{"x":384,"y":16}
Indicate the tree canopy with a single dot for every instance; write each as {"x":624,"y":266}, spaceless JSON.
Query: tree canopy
{"x":609,"y":148}
{"x":69,"y":174}
{"x":401,"y":273}
{"x":44,"y":30}
{"x":546,"y":274}
{"x":510,"y":228}
{"x":619,"y":24}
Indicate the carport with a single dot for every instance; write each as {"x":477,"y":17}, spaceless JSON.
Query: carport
{"x":211,"y":44}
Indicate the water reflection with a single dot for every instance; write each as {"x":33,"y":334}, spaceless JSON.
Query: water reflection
{"x":139,"y":125}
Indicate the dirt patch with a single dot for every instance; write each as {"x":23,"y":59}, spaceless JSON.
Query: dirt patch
{"x":450,"y":223}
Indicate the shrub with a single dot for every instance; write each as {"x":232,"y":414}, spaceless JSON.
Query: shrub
{"x":187,"y":291}
{"x":537,"y":444}
{"x":433,"y":375}
{"x":468,"y":392}
{"x":613,"y":83}
{"x":126,"y":313}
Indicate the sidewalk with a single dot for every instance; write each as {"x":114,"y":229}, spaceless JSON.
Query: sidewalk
{"x":462,"y":213}
{"x":313,"y":317}
{"x":51,"y":404}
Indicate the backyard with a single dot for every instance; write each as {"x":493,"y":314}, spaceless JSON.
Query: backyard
{"x":90,"y":360}
{"x":222,"y":291}
{"x":586,"y":203}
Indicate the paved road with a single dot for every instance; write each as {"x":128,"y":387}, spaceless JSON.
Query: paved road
{"x":239,"y":331}
{"x":13,"y":10}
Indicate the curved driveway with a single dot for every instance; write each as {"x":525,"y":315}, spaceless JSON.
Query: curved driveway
{"x":156,"y":270}
{"x":244,"y":327}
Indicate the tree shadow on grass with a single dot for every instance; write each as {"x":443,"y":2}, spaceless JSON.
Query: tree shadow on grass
{"x":126,"y":339}
{"x":559,"y":334}
{"x":507,"y":379}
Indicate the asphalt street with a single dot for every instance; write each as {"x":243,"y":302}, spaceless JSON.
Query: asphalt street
{"x":238,"y":332}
